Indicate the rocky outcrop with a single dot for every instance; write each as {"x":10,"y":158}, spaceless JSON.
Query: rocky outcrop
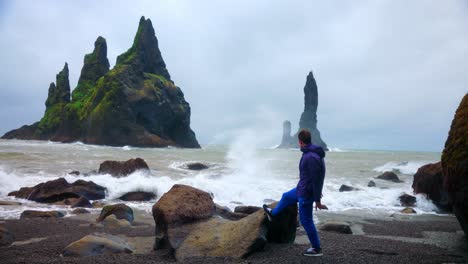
{"x":136,"y":103}
{"x":187,"y":222}
{"x":59,"y":190}
{"x":138,"y":196}
{"x":122,"y":168}
{"x":40,"y":214}
{"x":389,"y":176}
{"x":407,"y":200}
{"x":120,"y":211}
{"x":428,"y":180}
{"x":455,"y":164}
{"x":97,"y":244}
{"x":308,"y":118}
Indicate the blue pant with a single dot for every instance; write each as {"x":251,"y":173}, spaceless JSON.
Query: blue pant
{"x":305,"y":214}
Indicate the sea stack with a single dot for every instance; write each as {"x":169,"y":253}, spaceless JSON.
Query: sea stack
{"x":308,"y":118}
{"x":136,"y":103}
{"x":455,"y":164}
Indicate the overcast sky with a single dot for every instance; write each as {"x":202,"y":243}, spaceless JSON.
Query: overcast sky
{"x":390,"y":73}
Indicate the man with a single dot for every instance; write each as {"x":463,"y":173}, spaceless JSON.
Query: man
{"x":308,"y":190}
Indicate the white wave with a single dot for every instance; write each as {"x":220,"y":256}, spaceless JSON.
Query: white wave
{"x":336,"y":150}
{"x":126,"y":148}
{"x":407,"y":167}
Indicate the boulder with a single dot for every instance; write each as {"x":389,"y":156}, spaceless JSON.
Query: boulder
{"x":97,"y":244}
{"x":237,"y":239}
{"x":408,"y":210}
{"x":59,"y":190}
{"x":80,"y":211}
{"x":138,"y":196}
{"x":75,"y":173}
{"x":246,"y":209}
{"x":371,"y":184}
{"x":187,"y":223}
{"x":41,"y":214}
{"x":428,"y":180}
{"x":121,"y":211}
{"x":226,"y":213}
{"x":389,"y":176}
{"x":122,"y":168}
{"x":455,"y":164}
{"x":340,"y":228}
{"x":346,"y":188}
{"x":182,"y":204}
{"x":197,"y":166}
{"x":6,"y":237}
{"x":407,"y":200}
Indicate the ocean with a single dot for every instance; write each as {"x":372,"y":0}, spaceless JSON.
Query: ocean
{"x":239,"y":174}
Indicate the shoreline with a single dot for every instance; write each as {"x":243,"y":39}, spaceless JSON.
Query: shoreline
{"x":397,"y":239}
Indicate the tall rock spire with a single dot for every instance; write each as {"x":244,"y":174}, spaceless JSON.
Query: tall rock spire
{"x":59,"y":92}
{"x":308,"y":118}
{"x":144,"y":53}
{"x":95,"y":66}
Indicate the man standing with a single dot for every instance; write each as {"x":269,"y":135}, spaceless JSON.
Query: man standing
{"x":308,"y":190}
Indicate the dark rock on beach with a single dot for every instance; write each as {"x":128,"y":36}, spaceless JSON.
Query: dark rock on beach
{"x":407,"y":200}
{"x":97,"y":244}
{"x":346,"y":188}
{"x":455,"y":164}
{"x":408,"y":210}
{"x":389,"y":176}
{"x":246,"y":209}
{"x":41,"y":214}
{"x":136,"y":103}
{"x":340,"y":228}
{"x":122,"y":168}
{"x":138,"y":196}
{"x":428,"y":180}
{"x":81,"y":202}
{"x":6,"y":237}
{"x":308,"y":118}
{"x":226,"y":213}
{"x":75,"y":173}
{"x":121,"y":211}
{"x":9,"y":203}
{"x":59,"y":190}
{"x":197,"y":166}
{"x":371,"y":184}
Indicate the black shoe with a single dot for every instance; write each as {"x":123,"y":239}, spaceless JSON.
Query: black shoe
{"x":268,"y":212}
{"x":312,"y":252}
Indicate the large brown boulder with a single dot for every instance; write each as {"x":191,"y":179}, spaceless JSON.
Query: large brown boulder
{"x":455,"y":164}
{"x":182,"y":204}
{"x":120,"y":211}
{"x":59,"y":190}
{"x":428,"y":180}
{"x":188,"y":223}
{"x":122,"y":168}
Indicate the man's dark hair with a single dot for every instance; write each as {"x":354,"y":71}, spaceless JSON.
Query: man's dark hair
{"x":304,"y":136}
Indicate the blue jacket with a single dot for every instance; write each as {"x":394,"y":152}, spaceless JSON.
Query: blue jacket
{"x":311,"y":173}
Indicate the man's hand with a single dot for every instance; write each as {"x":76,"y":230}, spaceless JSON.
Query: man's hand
{"x":319,"y":205}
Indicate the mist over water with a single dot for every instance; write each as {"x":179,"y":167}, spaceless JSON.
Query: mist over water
{"x":245,"y":172}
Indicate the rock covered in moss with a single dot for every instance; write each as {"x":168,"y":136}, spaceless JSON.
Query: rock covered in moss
{"x":136,"y":103}
{"x":455,"y":164}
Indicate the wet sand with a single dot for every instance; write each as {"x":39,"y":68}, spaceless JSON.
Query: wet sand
{"x":398,"y":239}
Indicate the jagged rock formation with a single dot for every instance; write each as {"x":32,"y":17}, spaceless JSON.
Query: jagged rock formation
{"x":135,"y":103}
{"x":455,"y":164}
{"x":308,"y":118}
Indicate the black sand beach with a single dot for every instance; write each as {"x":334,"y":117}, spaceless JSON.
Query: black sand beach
{"x":412,"y":239}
